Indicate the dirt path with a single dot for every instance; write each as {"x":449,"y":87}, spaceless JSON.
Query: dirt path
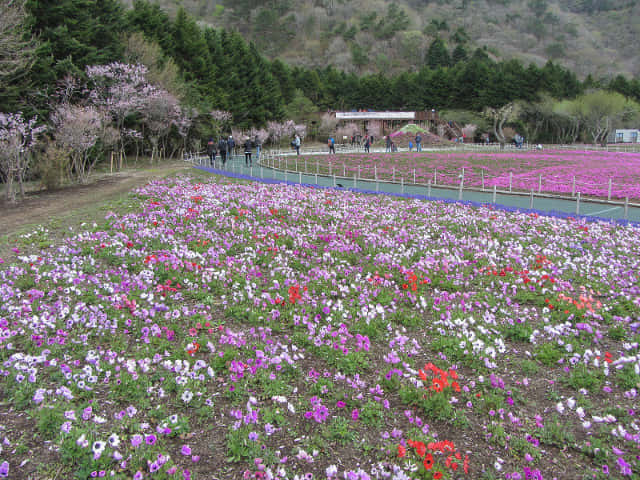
{"x":75,"y":202}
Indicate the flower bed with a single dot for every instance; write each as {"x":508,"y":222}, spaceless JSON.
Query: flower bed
{"x":255,"y":331}
{"x":550,"y":171}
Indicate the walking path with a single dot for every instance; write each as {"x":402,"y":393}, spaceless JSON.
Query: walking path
{"x":541,"y":203}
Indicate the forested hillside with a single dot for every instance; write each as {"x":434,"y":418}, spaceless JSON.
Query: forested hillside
{"x":103,"y":77}
{"x":597,"y":37}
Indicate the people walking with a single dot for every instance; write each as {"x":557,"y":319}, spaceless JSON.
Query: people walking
{"x":332,"y":145}
{"x":247,"y":152}
{"x":258,"y":145}
{"x":211,"y":151}
{"x":296,"y":143}
{"x":222,"y":148}
{"x":231,"y":143}
{"x":389,"y":143}
{"x":418,"y":142}
{"x":367,"y":143}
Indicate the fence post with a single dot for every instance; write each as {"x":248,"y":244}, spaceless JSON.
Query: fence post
{"x":609,"y":194}
{"x":296,"y":164}
{"x":251,"y":171}
{"x":414,"y":176}
{"x":334,"y":180}
{"x":510,"y":181}
{"x":305,"y":165}
{"x":344,"y":170}
{"x":377,"y":185}
{"x":573,"y":187}
{"x":354,"y":181}
{"x":401,"y":185}
{"x":316,"y":179}
{"x":578,"y":204}
{"x":299,"y":178}
{"x":531,"y":199}
{"x":482,"y":171}
{"x":493,"y":199}
{"x":539,"y":183}
{"x":626,"y":208}
{"x":375,"y":172}
{"x":394,"y":175}
{"x":359,"y":172}
{"x":429,"y":188}
{"x":317,"y":168}
{"x":435,"y":176}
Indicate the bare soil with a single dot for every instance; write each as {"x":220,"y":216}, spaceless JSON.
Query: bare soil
{"x":75,"y":203}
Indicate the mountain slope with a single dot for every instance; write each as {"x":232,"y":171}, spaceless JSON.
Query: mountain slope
{"x":597,"y":37}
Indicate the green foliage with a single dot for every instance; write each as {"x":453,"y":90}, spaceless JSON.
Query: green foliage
{"x":340,"y":430}
{"x":583,"y":377}
{"x":548,"y":354}
{"x":394,"y":21}
{"x":554,"y":433}
{"x":627,"y":378}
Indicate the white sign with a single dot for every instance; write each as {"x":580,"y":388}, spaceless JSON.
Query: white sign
{"x":375,"y":115}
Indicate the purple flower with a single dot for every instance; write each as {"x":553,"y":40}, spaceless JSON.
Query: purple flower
{"x":185,"y":450}
{"x":136,"y":440}
{"x":150,"y":439}
{"x":253,"y":436}
{"x":355,"y":414}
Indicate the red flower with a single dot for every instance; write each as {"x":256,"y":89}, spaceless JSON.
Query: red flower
{"x":402,"y":451}
{"x":421,"y":448}
{"x":428,"y":461}
{"x":437,"y":475}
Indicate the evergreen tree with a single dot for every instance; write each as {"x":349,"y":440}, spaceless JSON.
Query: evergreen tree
{"x":438,"y":55}
{"x":459,"y":54}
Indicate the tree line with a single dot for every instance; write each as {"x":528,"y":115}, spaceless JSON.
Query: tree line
{"x":218,"y":69}
{"x":135,"y":80}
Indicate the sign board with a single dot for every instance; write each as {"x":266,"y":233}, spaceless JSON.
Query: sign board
{"x":375,"y":115}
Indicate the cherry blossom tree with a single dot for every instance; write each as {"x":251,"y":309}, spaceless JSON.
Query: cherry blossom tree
{"x":78,"y":128}
{"x":260,"y":133}
{"x":160,"y":112}
{"x":276,"y":130}
{"x":121,"y":90}
{"x":17,"y":139}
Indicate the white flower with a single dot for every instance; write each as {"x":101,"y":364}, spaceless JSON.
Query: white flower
{"x":114,"y":440}
{"x":98,"y":447}
{"x":187,"y":396}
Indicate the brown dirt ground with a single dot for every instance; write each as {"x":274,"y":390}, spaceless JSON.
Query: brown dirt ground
{"x":76,"y":203}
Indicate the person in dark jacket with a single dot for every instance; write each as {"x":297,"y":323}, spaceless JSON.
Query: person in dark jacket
{"x":222,"y":148}
{"x":248,"y":145}
{"x":211,"y":151}
{"x":231,"y":150}
{"x":367,"y":143}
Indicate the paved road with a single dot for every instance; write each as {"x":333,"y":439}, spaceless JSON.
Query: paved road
{"x":541,"y":203}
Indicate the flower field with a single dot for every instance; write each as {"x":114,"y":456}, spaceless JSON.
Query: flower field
{"x":548,"y":171}
{"x":225,"y":330}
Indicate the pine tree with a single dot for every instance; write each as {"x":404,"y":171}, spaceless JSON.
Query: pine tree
{"x":438,"y":55}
